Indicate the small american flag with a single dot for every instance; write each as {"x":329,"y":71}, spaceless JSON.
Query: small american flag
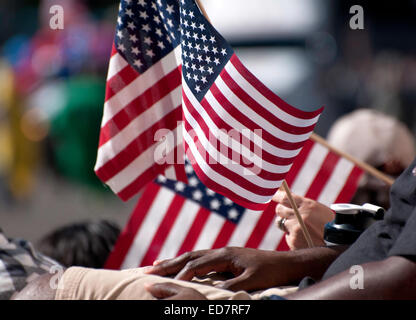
{"x":143,"y":96}
{"x":229,"y":114}
{"x":170,"y":64}
{"x":172,"y":217}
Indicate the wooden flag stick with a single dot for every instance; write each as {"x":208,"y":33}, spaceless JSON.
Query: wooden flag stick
{"x":201,"y":7}
{"x":364,"y":166}
{"x":298,"y":216}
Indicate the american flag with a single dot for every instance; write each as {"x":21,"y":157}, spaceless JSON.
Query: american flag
{"x":143,"y":97}
{"x":221,"y":98}
{"x":172,"y":217}
{"x":170,"y":64}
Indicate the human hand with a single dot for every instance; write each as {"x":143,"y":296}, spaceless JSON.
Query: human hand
{"x":314,"y":214}
{"x":172,"y":291}
{"x":252,"y":269}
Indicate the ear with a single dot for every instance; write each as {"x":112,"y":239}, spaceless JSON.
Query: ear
{"x":393,"y":167}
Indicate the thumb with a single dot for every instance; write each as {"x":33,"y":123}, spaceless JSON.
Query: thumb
{"x":162,"y":290}
{"x":242,"y":282}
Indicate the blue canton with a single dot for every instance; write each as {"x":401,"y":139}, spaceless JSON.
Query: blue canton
{"x":204,"y":51}
{"x":147,"y":31}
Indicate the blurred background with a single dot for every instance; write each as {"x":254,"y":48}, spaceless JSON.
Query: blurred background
{"x":52,"y":85}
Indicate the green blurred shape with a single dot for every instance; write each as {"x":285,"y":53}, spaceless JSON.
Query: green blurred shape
{"x":75,"y":129}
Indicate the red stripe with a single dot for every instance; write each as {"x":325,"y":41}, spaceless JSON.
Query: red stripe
{"x":135,"y":148}
{"x":221,"y":189}
{"x":299,"y":162}
{"x":259,"y":109}
{"x":180,"y":173}
{"x":138,"y":183}
{"x":195,"y":230}
{"x":267,"y":93}
{"x":120,"y":80}
{"x":126,"y":238}
{"x":163,"y":230}
{"x":139,"y":105}
{"x":322,"y":176}
{"x":247,"y":122}
{"x":113,"y":50}
{"x":224,"y":235}
{"x":350,"y":186}
{"x":261,"y":227}
{"x":283,"y":246}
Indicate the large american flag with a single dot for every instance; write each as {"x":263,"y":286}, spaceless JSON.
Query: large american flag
{"x":172,"y":217}
{"x":170,"y":64}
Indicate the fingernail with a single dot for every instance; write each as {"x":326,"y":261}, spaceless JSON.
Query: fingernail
{"x":147,"y":269}
{"x":156,"y":262}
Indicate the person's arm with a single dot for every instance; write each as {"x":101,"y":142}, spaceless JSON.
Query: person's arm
{"x":251,"y":269}
{"x":38,"y":289}
{"x":392,"y":278}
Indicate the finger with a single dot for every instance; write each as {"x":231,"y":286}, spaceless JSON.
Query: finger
{"x":279,"y":196}
{"x":291,"y":226}
{"x":202,"y":266}
{"x":156,"y":262}
{"x":282,"y":198}
{"x":173,"y":266}
{"x":242,"y":282}
{"x":163,"y":290}
{"x":284,"y":212}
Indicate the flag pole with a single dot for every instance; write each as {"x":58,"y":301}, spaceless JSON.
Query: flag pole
{"x":362,"y":165}
{"x":305,"y":231}
{"x":201,"y":7}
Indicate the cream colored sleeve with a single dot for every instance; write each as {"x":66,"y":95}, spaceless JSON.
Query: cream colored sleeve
{"x":95,"y":284}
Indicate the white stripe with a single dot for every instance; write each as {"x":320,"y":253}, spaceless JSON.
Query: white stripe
{"x":170,"y":173}
{"x":210,"y":232}
{"x":136,"y":127}
{"x":225,"y":161}
{"x":179,"y":230}
{"x":146,"y":160}
{"x":234,"y":124}
{"x":6,"y":282}
{"x":336,"y":182}
{"x":254,"y":116}
{"x":271,"y":239}
{"x":310,"y":168}
{"x":266,"y":103}
{"x":222,"y":180}
{"x":139,"y":85}
{"x":117,"y":63}
{"x":148,"y":229}
{"x":244,"y":228}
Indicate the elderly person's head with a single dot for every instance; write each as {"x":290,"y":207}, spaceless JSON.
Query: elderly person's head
{"x":378,"y":140}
